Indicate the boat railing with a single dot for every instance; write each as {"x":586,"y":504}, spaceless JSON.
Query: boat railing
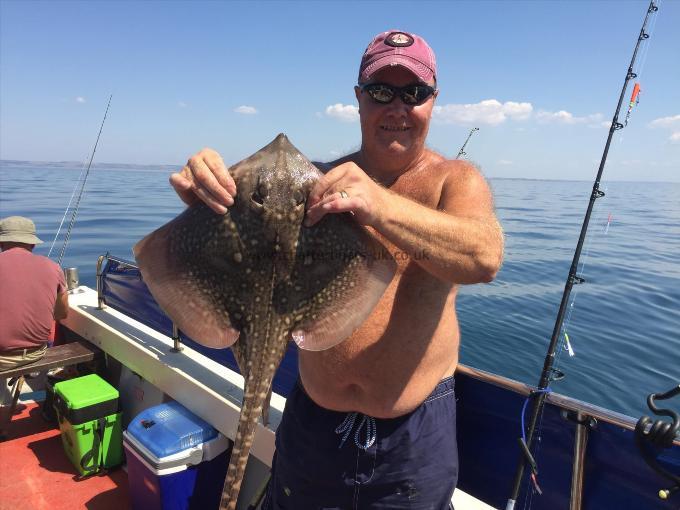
{"x":101,"y":300}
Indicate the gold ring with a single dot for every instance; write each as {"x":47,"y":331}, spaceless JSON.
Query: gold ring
{"x":343,"y":194}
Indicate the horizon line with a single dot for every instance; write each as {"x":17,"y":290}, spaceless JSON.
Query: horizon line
{"x":74,"y":165}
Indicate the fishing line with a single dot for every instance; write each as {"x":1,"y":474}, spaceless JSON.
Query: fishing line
{"x":581,"y":272}
{"x":566,"y":343}
{"x":533,"y":488}
{"x":82,"y":187}
{"x":73,"y":194}
{"x":548,"y":374}
{"x":648,"y":46}
{"x":635,"y":98}
{"x":560,"y":338}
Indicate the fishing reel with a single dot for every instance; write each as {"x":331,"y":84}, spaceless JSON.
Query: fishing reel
{"x":655,"y":435}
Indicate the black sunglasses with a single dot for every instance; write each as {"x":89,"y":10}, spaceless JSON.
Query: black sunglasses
{"x":410,"y":94}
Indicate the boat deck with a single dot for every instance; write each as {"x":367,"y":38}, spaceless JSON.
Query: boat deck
{"x":40,"y":477}
{"x":35,"y":474}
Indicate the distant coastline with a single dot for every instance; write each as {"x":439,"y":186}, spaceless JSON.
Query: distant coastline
{"x":76,"y":165}
{"x":79,"y":164}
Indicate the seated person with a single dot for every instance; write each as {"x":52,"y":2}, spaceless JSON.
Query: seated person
{"x":33,"y":295}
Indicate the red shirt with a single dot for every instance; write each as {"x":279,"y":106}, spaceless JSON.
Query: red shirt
{"x":29,"y":285}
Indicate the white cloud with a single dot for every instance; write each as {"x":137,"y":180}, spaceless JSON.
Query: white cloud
{"x":182,"y":104}
{"x":666,"y":122}
{"x":675,"y":137}
{"x":562,"y":116}
{"x":565,"y":117}
{"x":504,"y":162}
{"x":343,"y":112}
{"x":517,"y":111}
{"x":595,"y":121}
{"x":490,"y":111}
{"x":246,"y":110}
{"x":80,"y":99}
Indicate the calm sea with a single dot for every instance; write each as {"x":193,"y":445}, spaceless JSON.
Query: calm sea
{"x":624,"y":323}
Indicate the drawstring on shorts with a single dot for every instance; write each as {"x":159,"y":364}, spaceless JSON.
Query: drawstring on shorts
{"x":345,"y":428}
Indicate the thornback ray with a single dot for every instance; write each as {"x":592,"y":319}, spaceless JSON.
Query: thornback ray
{"x":255,"y":278}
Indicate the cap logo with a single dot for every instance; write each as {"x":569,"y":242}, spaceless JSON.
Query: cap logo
{"x":399,"y":40}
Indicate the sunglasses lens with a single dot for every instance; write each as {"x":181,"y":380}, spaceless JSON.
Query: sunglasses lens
{"x":380,"y":93}
{"x":416,"y":94}
{"x":410,"y":95}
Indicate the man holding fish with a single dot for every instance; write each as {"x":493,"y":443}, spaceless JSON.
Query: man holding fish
{"x":371,"y":423}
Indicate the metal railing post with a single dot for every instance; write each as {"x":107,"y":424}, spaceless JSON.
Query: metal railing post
{"x":177,"y":347}
{"x":100,"y":282}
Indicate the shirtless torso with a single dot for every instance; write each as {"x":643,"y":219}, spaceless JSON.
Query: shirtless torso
{"x":410,"y":341}
{"x":436,"y":217}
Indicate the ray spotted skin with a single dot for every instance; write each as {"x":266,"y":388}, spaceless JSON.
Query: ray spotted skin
{"x":255,"y":277}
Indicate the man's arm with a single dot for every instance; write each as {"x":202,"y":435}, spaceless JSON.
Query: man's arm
{"x":61,"y":306}
{"x":460,"y":242}
{"x":462,"y":239}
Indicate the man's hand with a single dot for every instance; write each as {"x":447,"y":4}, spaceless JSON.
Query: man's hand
{"x":206,"y":178}
{"x":346,"y":188}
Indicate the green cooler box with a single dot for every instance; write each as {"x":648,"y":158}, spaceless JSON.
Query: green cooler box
{"x":90,"y":423}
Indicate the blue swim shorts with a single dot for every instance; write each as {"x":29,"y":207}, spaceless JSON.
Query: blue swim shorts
{"x":331,"y":460}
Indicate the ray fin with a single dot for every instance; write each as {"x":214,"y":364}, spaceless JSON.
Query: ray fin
{"x":240,"y":357}
{"x":342,"y":272}
{"x":181,"y":275}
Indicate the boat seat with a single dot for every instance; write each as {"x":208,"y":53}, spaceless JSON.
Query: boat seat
{"x":63,"y":355}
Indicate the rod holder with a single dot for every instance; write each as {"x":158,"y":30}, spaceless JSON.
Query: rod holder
{"x":72,"y":280}
{"x":177,"y":347}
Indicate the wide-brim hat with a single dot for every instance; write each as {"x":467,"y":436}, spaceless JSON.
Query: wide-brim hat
{"x":17,"y":229}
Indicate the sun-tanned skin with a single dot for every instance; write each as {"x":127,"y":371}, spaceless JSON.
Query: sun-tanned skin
{"x":436,"y":216}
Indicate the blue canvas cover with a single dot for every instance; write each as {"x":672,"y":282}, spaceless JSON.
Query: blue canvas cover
{"x":615,"y":476}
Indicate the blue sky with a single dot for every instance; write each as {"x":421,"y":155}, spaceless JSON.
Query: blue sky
{"x":540,"y":80}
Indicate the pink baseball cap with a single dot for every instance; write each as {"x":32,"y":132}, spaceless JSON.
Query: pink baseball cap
{"x":395,"y":47}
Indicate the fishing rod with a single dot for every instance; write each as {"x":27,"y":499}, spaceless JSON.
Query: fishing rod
{"x":68,"y":206}
{"x":82,"y":187}
{"x":462,"y":152}
{"x":538,"y":397}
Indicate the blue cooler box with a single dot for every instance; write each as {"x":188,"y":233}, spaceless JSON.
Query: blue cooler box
{"x":175,"y":460}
